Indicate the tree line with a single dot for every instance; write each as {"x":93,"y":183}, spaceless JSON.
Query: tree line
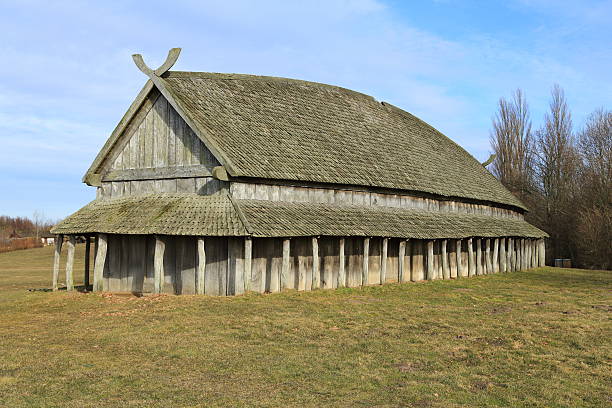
{"x":24,"y":226}
{"x":563,"y":174}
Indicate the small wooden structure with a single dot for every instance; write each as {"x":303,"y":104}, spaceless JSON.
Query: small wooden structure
{"x":224,"y":183}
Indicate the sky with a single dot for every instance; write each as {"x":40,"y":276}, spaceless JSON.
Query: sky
{"x":67,"y":77}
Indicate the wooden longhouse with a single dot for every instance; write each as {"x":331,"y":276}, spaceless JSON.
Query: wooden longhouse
{"x":221,"y":184}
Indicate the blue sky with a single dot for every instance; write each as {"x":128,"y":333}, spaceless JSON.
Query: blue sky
{"x":66,"y":75}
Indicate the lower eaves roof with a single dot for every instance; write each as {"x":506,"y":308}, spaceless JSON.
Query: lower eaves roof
{"x":219,"y":215}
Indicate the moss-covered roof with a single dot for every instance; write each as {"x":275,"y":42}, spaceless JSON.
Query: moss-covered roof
{"x":277,"y":128}
{"x":218,"y":215}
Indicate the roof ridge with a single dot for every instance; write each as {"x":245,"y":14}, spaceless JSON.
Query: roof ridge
{"x":263,"y":78}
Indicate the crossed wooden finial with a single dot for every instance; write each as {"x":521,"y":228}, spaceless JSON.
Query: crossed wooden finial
{"x":173,"y":55}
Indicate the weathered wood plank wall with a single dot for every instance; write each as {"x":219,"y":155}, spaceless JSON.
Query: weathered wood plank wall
{"x":195,"y":185}
{"x":280,"y":263}
{"x":271,"y":192}
{"x":158,"y":137}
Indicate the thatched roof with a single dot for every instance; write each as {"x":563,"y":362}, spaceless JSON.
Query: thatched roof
{"x":277,"y":128}
{"x":220,"y":215}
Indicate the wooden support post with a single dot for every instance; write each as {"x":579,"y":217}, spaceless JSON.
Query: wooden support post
{"x":248,"y":262}
{"x":316,"y":278}
{"x":341,"y":270}
{"x":87,"y":256}
{"x":460,"y":271}
{"x":496,"y":255}
{"x":522,"y":265}
{"x":59,"y":240}
{"x":430,"y":260}
{"x":444,"y":255}
{"x":511,"y":265}
{"x":502,"y":255}
{"x":383,"y":260}
{"x":542,"y":253}
{"x":158,"y":264}
{"x":534,"y":253}
{"x":366,"y":262}
{"x":284,"y":277}
{"x":400,"y":260}
{"x":471,"y":258}
{"x":479,"y":268}
{"x":201,"y":268}
{"x":98,"y":279}
{"x":488,"y":263}
{"x":70,"y":263}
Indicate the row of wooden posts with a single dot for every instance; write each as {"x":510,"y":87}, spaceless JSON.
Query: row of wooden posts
{"x":504,"y":255}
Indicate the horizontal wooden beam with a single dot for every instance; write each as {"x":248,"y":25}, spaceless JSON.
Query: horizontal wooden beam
{"x":157,"y":173}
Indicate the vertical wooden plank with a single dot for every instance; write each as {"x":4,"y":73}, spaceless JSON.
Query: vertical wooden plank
{"x":284,"y":278}
{"x":383,"y":261}
{"x":400,"y":259}
{"x":418,"y":264}
{"x":365,"y":270}
{"x":114,"y":263}
{"x":460,"y":271}
{"x":272,"y":270}
{"x":99,"y":263}
{"x":124,"y":263}
{"x":452,"y":259}
{"x":258,"y":267}
{"x":444,"y":255}
{"x":235,"y":266}
{"x":488,"y":260}
{"x":479,"y":268}
{"x":407,"y":265}
{"x":502,"y":255}
{"x":430,"y":260}
{"x":59,"y":240}
{"x":511,"y":260}
{"x":341,"y":271}
{"x":201,"y":271}
{"x":87,"y":261}
{"x":496,"y":255}
{"x":316,"y":278}
{"x":542,"y":253}
{"x":471,"y":258}
{"x":158,"y":263}
{"x":248,"y":256}
{"x":70,"y":263}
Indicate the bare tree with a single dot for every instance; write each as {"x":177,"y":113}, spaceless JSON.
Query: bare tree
{"x":512,"y":143}
{"x":595,"y":145}
{"x":557,"y":164}
{"x":594,"y":207}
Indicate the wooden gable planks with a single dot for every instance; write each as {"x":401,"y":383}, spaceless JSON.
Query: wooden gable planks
{"x":156,"y":138}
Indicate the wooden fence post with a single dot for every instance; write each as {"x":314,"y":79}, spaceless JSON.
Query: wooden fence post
{"x":98,"y":281}
{"x":59,"y":241}
{"x":70,"y":263}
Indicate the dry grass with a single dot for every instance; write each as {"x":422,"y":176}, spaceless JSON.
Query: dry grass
{"x":529,"y":339}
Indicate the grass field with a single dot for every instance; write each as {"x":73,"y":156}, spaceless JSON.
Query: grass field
{"x":529,"y":339}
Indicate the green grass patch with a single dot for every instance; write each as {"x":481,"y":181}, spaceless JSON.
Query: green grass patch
{"x":528,"y":339}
